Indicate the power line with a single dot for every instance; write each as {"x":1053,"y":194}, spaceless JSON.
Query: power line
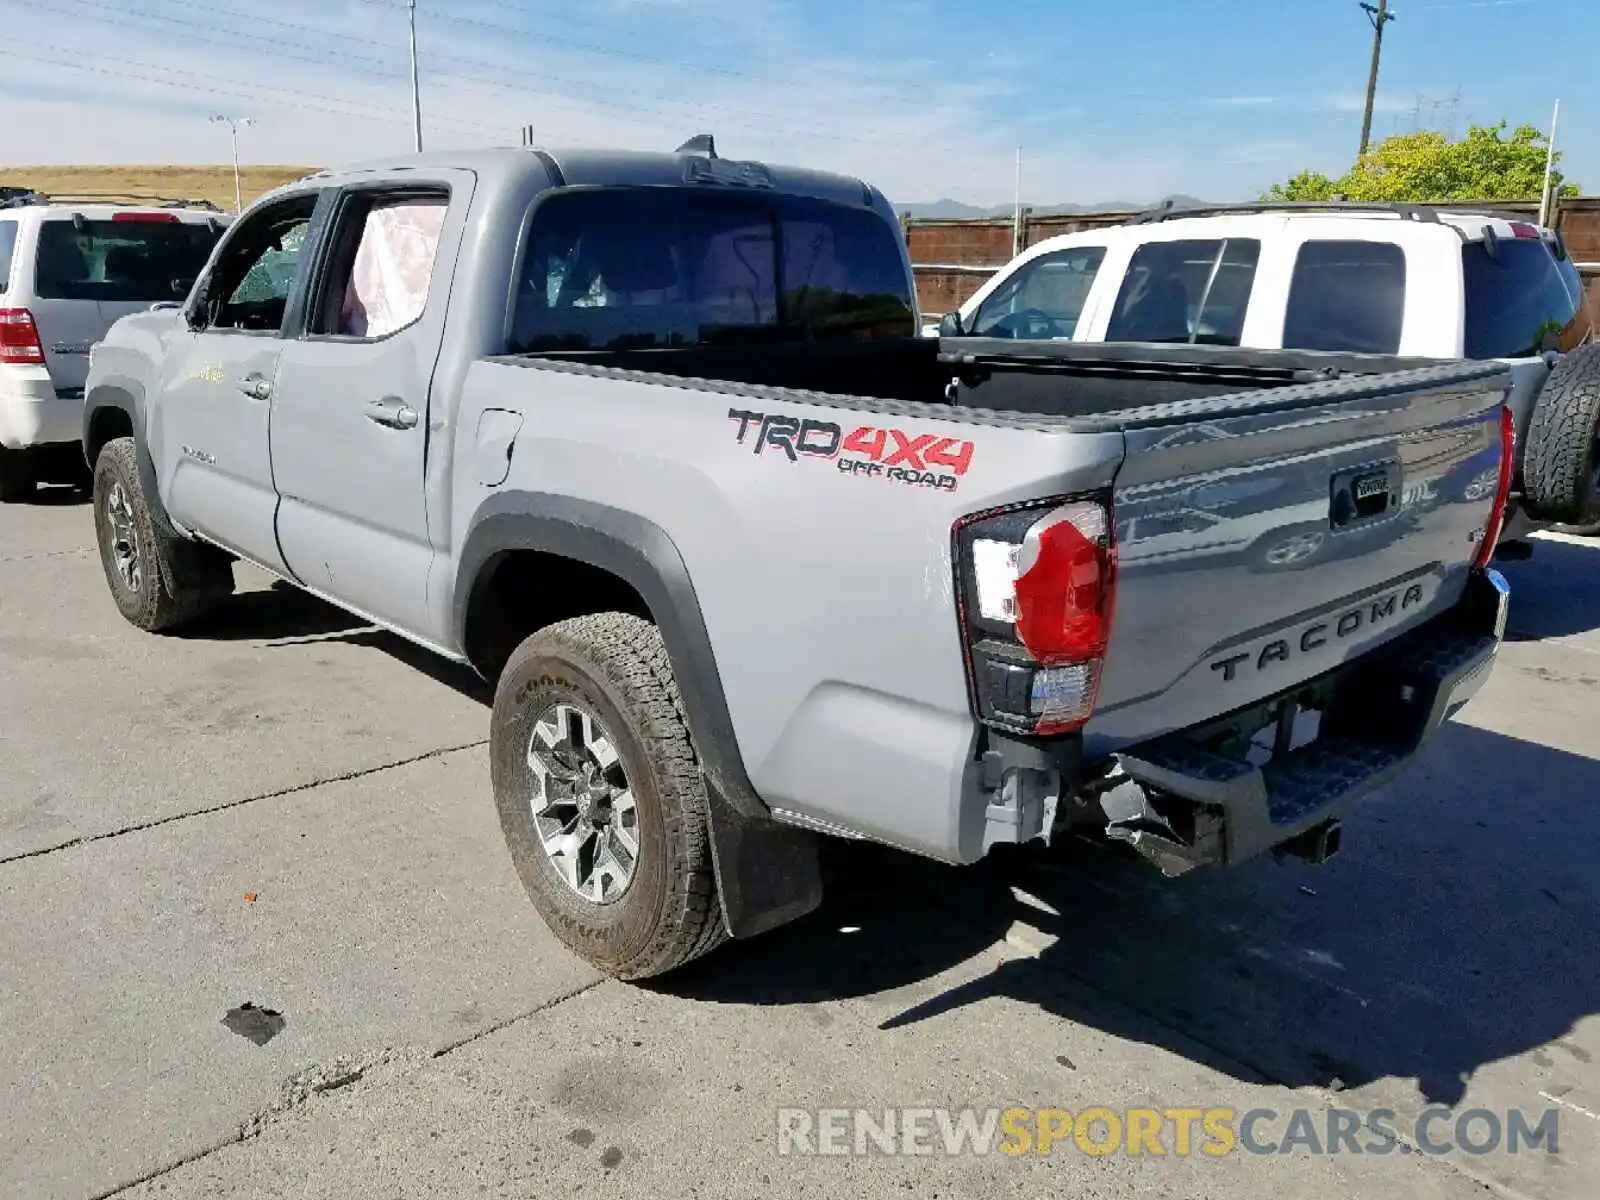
{"x":296,"y":101}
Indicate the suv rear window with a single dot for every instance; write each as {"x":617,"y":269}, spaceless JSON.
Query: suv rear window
{"x":8,"y":243}
{"x":1348,"y":296}
{"x":1195,"y":291}
{"x":1514,"y":298}
{"x":135,"y":261}
{"x":656,"y":268}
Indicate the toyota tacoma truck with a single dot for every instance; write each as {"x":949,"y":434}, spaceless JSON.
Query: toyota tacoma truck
{"x":651,"y":441}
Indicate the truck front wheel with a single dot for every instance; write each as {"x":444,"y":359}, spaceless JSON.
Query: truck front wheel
{"x":157,"y":581}
{"x":600,"y":795}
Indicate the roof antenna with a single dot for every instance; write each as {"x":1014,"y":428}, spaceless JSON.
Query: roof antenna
{"x":702,"y":143}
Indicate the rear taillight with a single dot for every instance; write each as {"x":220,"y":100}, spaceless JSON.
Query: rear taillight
{"x":1035,"y":590}
{"x":1502,"y":492}
{"x":19,"y":338}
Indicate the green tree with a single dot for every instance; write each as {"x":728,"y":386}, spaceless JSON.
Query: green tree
{"x":1429,"y":168}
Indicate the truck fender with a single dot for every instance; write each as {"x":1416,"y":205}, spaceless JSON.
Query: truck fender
{"x":767,"y":873}
{"x":124,"y":396}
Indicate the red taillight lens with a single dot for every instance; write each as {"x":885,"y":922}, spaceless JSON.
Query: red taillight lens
{"x":1523,"y":230}
{"x":149,"y":217}
{"x":1502,"y":493}
{"x":1063,"y":590}
{"x":19,"y":338}
{"x":1036,"y":595}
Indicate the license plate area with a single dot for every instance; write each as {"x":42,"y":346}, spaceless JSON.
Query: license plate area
{"x":1365,"y":493}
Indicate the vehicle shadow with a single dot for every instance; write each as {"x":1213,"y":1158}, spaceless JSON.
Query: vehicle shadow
{"x":1446,"y":937}
{"x":1555,"y":593}
{"x":277,"y":611}
{"x":58,"y":496}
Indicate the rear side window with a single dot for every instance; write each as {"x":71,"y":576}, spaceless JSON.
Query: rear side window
{"x":1515,"y":298}
{"x":1044,"y":299}
{"x":129,"y":260}
{"x":8,"y":244}
{"x":1347,"y":296}
{"x":656,"y":268}
{"x":1191,"y":291}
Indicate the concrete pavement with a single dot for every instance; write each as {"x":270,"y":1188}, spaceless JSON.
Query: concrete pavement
{"x":289,"y":810}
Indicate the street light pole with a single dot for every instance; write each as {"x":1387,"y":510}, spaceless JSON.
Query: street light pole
{"x":416,"y":90}
{"x":234,"y":124}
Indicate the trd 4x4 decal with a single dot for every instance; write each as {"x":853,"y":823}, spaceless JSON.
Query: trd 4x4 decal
{"x":918,"y":460}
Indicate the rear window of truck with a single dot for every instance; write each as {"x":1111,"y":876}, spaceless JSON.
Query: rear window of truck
{"x":1515,"y":297}
{"x":8,"y":244}
{"x":129,"y":260}
{"x":1347,"y":295}
{"x":1190,"y":291}
{"x":657,"y":268}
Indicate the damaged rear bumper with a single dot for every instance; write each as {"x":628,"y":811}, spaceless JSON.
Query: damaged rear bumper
{"x":1181,"y":803}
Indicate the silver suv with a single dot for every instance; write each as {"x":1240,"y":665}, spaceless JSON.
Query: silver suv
{"x":69,"y":268}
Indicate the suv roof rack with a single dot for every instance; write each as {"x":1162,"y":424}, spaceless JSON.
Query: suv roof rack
{"x":22,"y":197}
{"x":1427,"y":213}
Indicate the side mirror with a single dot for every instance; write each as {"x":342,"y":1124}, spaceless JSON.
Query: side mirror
{"x":950,"y":325}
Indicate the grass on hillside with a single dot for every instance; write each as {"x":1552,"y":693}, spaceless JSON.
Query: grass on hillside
{"x":169,"y":182}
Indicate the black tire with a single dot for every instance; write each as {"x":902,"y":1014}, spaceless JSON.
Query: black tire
{"x":172,"y":581}
{"x":1561,"y":462}
{"x":614,"y":668}
{"x":17,"y":476}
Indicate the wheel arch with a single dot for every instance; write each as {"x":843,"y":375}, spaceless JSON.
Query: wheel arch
{"x":767,"y":874}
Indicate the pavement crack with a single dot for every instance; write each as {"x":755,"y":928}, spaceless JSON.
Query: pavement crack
{"x":141,"y":826}
{"x":10,"y":558}
{"x":546,"y":1006}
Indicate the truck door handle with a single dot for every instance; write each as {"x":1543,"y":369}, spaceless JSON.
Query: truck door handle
{"x":257,"y":387}
{"x":393,"y":414}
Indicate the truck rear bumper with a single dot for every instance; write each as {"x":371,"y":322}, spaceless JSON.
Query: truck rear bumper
{"x":1182,"y":803}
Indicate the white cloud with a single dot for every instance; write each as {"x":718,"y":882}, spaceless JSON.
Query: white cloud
{"x":329,"y":83}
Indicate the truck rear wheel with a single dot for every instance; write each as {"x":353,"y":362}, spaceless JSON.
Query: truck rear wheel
{"x":17,"y":476}
{"x":158,"y":581}
{"x":1561,"y":463}
{"x":600,"y":796}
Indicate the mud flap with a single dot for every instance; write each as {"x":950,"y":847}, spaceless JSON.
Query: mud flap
{"x":767,"y":874}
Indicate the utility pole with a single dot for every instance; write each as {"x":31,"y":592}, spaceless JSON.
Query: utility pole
{"x":1380,"y":16}
{"x":234,"y":124}
{"x":1017,"y":235}
{"x":416,"y":89}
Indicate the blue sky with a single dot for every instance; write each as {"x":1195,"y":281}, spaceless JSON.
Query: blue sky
{"x":927,"y":98}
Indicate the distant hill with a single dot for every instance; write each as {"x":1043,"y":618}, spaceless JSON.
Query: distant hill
{"x":169,"y":182}
{"x":955,"y":209}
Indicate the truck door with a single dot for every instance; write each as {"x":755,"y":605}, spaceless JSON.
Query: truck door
{"x":208,"y":437}
{"x":350,"y":411}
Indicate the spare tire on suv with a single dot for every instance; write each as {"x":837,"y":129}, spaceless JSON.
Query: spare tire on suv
{"x":1561,"y":463}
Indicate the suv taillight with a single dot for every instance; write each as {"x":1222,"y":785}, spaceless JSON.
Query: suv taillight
{"x":19,"y":338}
{"x":1035,"y":589}
{"x":1502,"y":492}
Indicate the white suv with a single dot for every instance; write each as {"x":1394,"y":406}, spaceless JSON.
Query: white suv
{"x":1406,"y":281}
{"x":68,"y":270}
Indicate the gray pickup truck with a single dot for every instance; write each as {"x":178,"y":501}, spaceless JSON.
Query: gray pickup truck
{"x":651,"y":442}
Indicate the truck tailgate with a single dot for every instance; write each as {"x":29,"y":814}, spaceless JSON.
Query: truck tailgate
{"x":1266,"y":538}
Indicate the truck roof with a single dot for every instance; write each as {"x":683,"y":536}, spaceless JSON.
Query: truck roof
{"x":580,"y":166}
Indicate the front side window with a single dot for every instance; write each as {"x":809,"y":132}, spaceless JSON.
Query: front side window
{"x":1044,"y":299}
{"x":255,"y":272}
{"x":1186,"y":291}
{"x":1348,"y":296}
{"x":653,"y":268}
{"x":131,"y":258}
{"x":1516,"y":298}
{"x":8,"y":244}
{"x":382,"y":265}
